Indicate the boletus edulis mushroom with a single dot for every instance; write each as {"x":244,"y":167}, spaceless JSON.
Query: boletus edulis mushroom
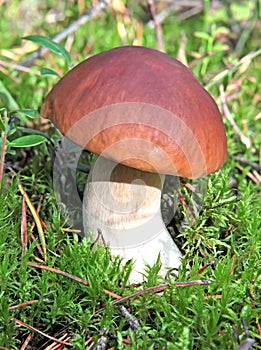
{"x":145,"y":115}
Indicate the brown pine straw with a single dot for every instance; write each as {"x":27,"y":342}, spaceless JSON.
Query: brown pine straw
{"x":157,"y":289}
{"x":55,"y":346}
{"x":120,"y":299}
{"x":19,"y":306}
{"x":203,"y":268}
{"x":23,"y":230}
{"x":22,"y":324}
{"x":234,"y":259}
{"x":72,"y":277}
{"x":27,"y":341}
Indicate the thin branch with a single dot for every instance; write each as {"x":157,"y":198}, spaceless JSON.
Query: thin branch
{"x":17,"y":67}
{"x":157,"y":289}
{"x":160,"y":45}
{"x":189,"y":13}
{"x":245,"y":140}
{"x":161,"y":16}
{"x":192,"y":7}
{"x":244,"y":161}
{"x":22,"y":324}
{"x":203,"y":268}
{"x":55,"y":346}
{"x":99,"y":236}
{"x":27,"y":341}
{"x":27,"y":303}
{"x":132,"y":321}
{"x":59,"y":272}
{"x":72,"y":277}
{"x":97,"y":9}
{"x":254,"y":176}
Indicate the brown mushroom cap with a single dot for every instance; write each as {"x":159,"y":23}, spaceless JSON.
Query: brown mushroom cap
{"x":142,"y":108}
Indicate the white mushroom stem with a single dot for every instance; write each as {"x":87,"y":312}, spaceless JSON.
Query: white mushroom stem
{"x":124,"y":203}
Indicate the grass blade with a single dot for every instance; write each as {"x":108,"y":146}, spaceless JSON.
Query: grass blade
{"x":37,"y":219}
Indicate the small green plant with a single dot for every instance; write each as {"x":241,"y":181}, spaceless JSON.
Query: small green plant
{"x":9,"y":129}
{"x":8,"y":119}
{"x":54,"y":47}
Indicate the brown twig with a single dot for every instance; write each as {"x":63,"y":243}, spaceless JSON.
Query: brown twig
{"x":191,"y":188}
{"x":203,"y":268}
{"x":244,"y":161}
{"x":101,"y":5}
{"x":27,"y":341}
{"x":55,"y":346}
{"x":90,"y":343}
{"x":257,"y":176}
{"x":59,"y":272}
{"x":157,"y":289}
{"x":22,"y":324}
{"x":234,"y":259}
{"x":24,"y":231}
{"x":99,"y":236}
{"x":245,"y":140}
{"x":72,"y":277}
{"x":190,"y":12}
{"x":151,"y":6}
{"x":19,"y":306}
{"x":254,"y":176}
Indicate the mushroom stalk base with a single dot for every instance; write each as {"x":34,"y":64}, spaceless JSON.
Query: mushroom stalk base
{"x":124,"y":203}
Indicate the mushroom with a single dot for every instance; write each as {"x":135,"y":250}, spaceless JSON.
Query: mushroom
{"x":145,"y":115}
